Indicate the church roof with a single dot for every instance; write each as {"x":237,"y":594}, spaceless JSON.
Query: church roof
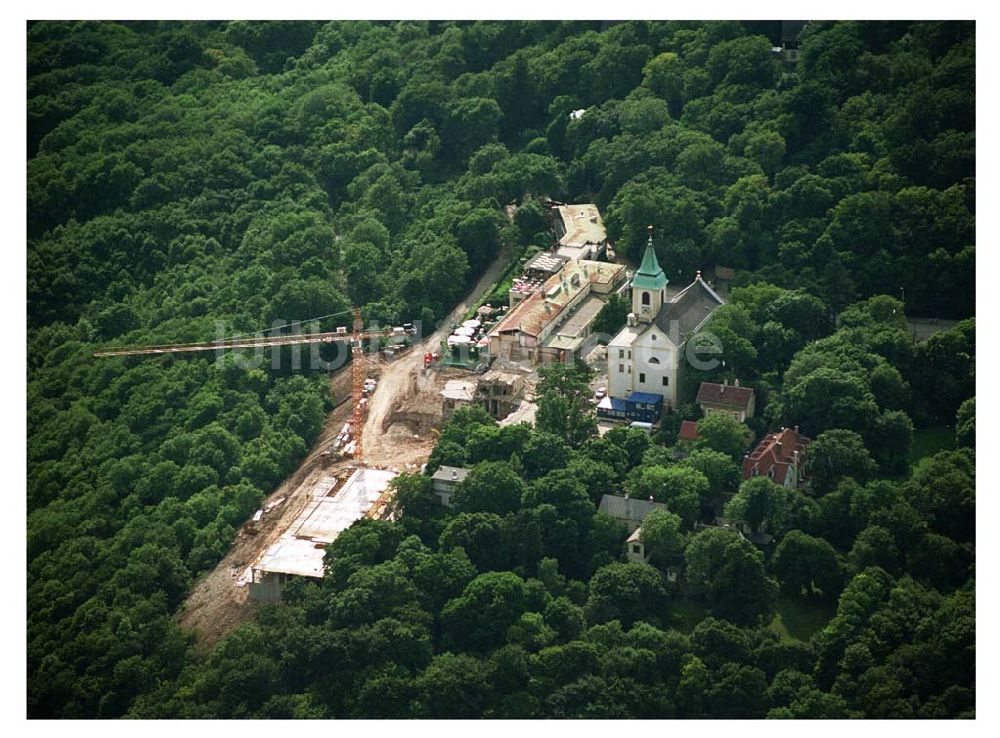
{"x":689,"y":309}
{"x":649,"y":275}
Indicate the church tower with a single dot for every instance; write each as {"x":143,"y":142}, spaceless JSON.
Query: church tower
{"x":649,"y":285}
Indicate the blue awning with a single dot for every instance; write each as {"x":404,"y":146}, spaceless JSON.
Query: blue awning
{"x":646,"y":398}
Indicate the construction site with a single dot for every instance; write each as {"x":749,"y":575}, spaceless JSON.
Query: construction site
{"x":390,"y":403}
{"x":333,"y":504}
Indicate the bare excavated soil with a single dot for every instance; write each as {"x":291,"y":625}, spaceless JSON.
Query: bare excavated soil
{"x":405,"y":379}
{"x":216,"y":604}
{"x":398,"y":434}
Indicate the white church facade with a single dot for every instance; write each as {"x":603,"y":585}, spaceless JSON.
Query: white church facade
{"x":644,"y":357}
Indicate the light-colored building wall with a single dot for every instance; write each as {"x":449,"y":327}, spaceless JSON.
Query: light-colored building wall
{"x":635,"y":550}
{"x":655,"y":366}
{"x":619,"y":369}
{"x":735,"y":414}
{"x":267,"y":586}
{"x":642,"y":363}
{"x":738,"y":414}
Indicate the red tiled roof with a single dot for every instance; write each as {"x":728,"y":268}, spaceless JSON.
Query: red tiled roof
{"x":777,"y":452}
{"x":726,"y":395}
{"x":689,"y":431}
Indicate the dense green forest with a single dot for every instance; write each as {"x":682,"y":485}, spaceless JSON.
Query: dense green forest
{"x":182,"y":174}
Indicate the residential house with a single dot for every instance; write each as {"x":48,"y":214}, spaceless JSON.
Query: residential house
{"x":688,"y":431}
{"x":445,"y":480}
{"x":732,"y":400}
{"x":781,"y":457}
{"x":635,"y":549}
{"x":628,"y":510}
{"x":456,"y":393}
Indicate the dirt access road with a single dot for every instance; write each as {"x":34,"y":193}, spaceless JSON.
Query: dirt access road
{"x":215,"y":605}
{"x":404,"y":378}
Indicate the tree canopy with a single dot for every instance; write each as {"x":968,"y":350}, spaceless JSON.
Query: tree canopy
{"x":185,"y":178}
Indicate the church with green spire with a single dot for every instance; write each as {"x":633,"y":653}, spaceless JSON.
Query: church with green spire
{"x":644,"y":357}
{"x":649,"y":285}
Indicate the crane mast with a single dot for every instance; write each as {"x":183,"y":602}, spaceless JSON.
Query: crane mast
{"x":357,"y":387}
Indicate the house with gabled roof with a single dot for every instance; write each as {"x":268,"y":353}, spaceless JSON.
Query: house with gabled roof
{"x":688,"y":431}
{"x":628,"y":510}
{"x":780,"y":457}
{"x":728,"y":399}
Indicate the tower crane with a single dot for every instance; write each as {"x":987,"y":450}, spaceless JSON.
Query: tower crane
{"x":358,"y":369}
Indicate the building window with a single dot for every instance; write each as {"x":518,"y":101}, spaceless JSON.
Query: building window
{"x":654,"y":360}
{"x":636,"y":548}
{"x":666,"y":381}
{"x":642,"y":378}
{"x":621,"y":353}
{"x":645,"y":298}
{"x":621,"y":368}
{"x":654,"y":336}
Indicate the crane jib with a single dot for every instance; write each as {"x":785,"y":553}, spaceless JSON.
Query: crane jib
{"x":241,"y":343}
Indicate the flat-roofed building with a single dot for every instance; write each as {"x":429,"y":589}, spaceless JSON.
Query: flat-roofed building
{"x":300,"y":550}
{"x":456,"y":393}
{"x":445,"y":480}
{"x":580,"y":231}
{"x":571,"y":336}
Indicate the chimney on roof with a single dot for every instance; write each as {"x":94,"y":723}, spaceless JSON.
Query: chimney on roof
{"x":698,"y":274}
{"x":626,"y":495}
{"x":736,"y":383}
{"x":631,"y":320}
{"x":454,"y":473}
{"x":777,"y":448}
{"x":795,"y":457}
{"x":651,"y":498}
{"x":796,"y":430}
